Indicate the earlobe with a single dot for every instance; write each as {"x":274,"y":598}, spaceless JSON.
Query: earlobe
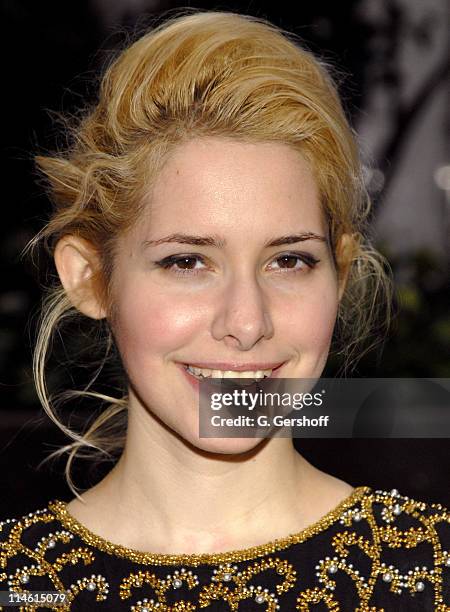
{"x":345,"y":251}
{"x":78,"y":266}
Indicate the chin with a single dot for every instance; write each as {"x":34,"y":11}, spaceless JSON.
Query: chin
{"x":225,"y":446}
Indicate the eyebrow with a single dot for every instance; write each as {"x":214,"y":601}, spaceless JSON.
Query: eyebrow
{"x":217,"y":242}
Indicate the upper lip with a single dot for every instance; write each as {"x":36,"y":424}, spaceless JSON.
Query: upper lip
{"x":236,"y":367}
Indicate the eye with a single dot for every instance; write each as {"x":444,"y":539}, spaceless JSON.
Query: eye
{"x":182,"y":264}
{"x":294,"y":262}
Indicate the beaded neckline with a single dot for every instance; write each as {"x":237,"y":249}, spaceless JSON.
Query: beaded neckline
{"x":59,"y":509}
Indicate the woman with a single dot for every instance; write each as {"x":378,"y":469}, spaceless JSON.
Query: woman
{"x":210,"y":218}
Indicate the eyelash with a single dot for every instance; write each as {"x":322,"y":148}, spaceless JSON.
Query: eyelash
{"x":168,"y":263}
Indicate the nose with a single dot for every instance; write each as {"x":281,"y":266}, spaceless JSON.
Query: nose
{"x":242,"y":317}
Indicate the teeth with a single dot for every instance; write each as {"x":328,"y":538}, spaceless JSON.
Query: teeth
{"x":206,"y":373}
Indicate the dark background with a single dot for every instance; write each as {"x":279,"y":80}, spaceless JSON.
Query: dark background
{"x":393,"y":68}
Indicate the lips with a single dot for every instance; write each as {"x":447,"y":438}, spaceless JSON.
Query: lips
{"x":207,"y":373}
{"x":255,"y":371}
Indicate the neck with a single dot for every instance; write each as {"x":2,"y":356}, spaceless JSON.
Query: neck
{"x":169,"y":497}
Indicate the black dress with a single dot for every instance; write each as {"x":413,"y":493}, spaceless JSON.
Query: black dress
{"x":377,"y":551}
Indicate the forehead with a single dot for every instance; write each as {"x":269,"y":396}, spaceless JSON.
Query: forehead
{"x":234,"y":186}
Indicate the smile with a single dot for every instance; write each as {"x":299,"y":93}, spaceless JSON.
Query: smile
{"x":206,"y":373}
{"x":256,"y":374}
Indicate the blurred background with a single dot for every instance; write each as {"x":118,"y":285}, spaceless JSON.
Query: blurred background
{"x":392,"y":57}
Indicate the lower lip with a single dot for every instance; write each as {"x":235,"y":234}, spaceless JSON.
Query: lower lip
{"x":195,"y":382}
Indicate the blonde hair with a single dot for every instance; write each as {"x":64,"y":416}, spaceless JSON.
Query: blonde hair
{"x":199,"y":75}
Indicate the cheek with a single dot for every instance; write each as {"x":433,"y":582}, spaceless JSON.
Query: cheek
{"x":151,"y":325}
{"x":320,"y":334}
{"x":309,"y":320}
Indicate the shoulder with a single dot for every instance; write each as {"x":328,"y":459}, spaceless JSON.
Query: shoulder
{"x":395,"y":499}
{"x":391,"y":506}
{"x":29,"y":535}
{"x":406,"y":541}
{"x":393,"y":549}
{"x":14,"y":529}
{"x":37,"y":550}
{"x":23,"y":540}
{"x":24,"y":523}
{"x":399,"y":521}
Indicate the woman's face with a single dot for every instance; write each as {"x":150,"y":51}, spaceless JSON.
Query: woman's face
{"x":228,"y":269}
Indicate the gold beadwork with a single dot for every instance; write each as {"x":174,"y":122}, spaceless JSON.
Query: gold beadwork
{"x":193,"y":560}
{"x":225,"y":581}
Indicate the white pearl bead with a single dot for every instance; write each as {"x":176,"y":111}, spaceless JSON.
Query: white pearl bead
{"x":420,"y":586}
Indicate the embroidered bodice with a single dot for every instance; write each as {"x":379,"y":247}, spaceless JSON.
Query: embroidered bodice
{"x":376,"y":551}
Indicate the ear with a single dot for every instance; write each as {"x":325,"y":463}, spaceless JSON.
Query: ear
{"x":78,"y":266}
{"x":345,"y":250}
